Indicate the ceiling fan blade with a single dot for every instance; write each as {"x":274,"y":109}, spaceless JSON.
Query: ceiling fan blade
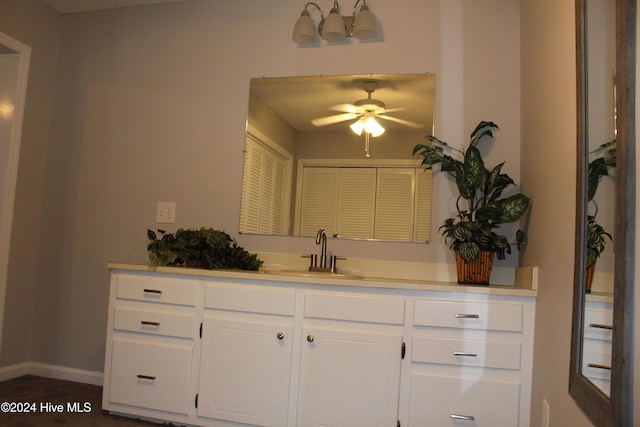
{"x":391,"y":110}
{"x":402,"y":121}
{"x":345,"y":108}
{"x":329,"y":120}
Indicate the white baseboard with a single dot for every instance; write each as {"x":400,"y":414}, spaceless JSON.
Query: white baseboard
{"x":51,"y":371}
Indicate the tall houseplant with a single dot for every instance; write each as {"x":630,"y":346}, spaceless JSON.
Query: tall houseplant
{"x":481,"y":206}
{"x":596,"y":234}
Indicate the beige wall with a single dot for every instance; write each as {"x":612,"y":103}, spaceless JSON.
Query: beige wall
{"x":43,"y":35}
{"x":548,"y":174}
{"x":150,"y":105}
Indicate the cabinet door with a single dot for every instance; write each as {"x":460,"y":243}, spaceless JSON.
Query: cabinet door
{"x":349,"y":378}
{"x":244,"y":371}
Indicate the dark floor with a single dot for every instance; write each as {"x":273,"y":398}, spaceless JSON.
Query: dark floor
{"x":36,"y":394}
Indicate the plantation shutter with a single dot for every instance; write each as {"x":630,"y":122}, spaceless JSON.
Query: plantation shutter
{"x":395,"y":206}
{"x":319,"y":200}
{"x":423,"y":206}
{"x":263,"y":190}
{"x":387,"y":203}
{"x":356,"y":202}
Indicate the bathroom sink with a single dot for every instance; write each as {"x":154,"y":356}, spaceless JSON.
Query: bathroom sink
{"x":307,"y":273}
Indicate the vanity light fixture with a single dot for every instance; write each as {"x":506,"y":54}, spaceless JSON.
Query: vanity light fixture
{"x":361,"y":24}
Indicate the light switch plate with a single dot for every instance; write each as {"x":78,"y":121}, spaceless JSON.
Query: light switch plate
{"x":166,"y":212}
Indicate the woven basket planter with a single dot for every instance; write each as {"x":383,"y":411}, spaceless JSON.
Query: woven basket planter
{"x":589,"y":277}
{"x":477,"y":271}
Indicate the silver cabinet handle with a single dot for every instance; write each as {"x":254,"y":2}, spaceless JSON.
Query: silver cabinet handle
{"x":146,"y":377}
{"x":600,"y":326}
{"x":310,"y":338}
{"x":464,"y":353}
{"x":149,"y":323}
{"x":467,"y":316}
{"x":280,"y":335}
{"x":599,"y":366}
{"x":462,"y":417}
{"x":152,"y":291}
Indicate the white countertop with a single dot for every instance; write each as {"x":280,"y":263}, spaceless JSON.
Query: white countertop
{"x":525,"y":282}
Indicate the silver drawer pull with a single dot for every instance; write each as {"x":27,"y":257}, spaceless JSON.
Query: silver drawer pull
{"x":280,"y":335}
{"x":467,"y":316}
{"x":148,"y":323}
{"x":600,"y":326}
{"x":462,"y":417}
{"x":464,"y":353}
{"x":599,"y":366}
{"x":146,"y":377}
{"x":152,"y":291}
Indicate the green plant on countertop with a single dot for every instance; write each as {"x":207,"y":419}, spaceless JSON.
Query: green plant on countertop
{"x":483,"y":209}
{"x":598,"y":168}
{"x":203,"y":248}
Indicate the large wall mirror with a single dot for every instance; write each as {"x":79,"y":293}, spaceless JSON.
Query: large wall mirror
{"x":600,"y":377}
{"x":335,"y":152}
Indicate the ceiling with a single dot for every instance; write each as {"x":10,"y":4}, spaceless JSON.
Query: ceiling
{"x":77,"y":6}
{"x":299,"y":99}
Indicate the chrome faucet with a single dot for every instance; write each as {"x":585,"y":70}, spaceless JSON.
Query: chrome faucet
{"x":321,"y":238}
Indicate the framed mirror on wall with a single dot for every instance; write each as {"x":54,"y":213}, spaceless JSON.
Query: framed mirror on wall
{"x":601,"y":349}
{"x":335,"y":152}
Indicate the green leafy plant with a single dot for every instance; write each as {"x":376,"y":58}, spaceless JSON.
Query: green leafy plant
{"x":597,"y":168}
{"x":204,"y":248}
{"x":480,"y":204}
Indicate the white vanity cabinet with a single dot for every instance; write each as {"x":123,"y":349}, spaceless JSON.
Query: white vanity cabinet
{"x":221,"y":349}
{"x":470,"y":361}
{"x":598,"y":330}
{"x":151,"y":345}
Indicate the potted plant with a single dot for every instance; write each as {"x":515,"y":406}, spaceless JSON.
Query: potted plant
{"x":203,"y":248}
{"x":596,"y":234}
{"x":481,"y":206}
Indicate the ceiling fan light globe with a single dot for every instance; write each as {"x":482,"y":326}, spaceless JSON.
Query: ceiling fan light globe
{"x":373,"y":127}
{"x":364,"y":27}
{"x":334,"y":29}
{"x":357,"y":127}
{"x":304,"y":31}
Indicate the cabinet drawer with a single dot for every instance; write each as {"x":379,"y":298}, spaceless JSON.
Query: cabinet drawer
{"x":487,"y":354}
{"x":154,"y":376}
{"x":596,"y":363}
{"x":468,"y":315}
{"x":157,"y":289}
{"x":374,"y":309}
{"x":154,"y":322}
{"x":252,"y":299}
{"x":449,"y":401}
{"x":598,"y":324}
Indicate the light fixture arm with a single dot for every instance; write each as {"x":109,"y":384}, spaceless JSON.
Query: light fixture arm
{"x":306,"y":6}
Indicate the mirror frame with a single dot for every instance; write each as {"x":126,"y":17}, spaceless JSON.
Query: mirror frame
{"x":615,"y":410}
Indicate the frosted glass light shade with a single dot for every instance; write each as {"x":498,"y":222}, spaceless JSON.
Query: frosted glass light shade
{"x":364,"y":27}
{"x":373,"y":127}
{"x":334,"y":29}
{"x":357,"y":127}
{"x":369,"y":124}
{"x":304,"y":31}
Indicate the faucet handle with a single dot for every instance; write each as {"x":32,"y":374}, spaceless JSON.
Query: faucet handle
{"x":333,"y":261}
{"x":313,"y":258}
